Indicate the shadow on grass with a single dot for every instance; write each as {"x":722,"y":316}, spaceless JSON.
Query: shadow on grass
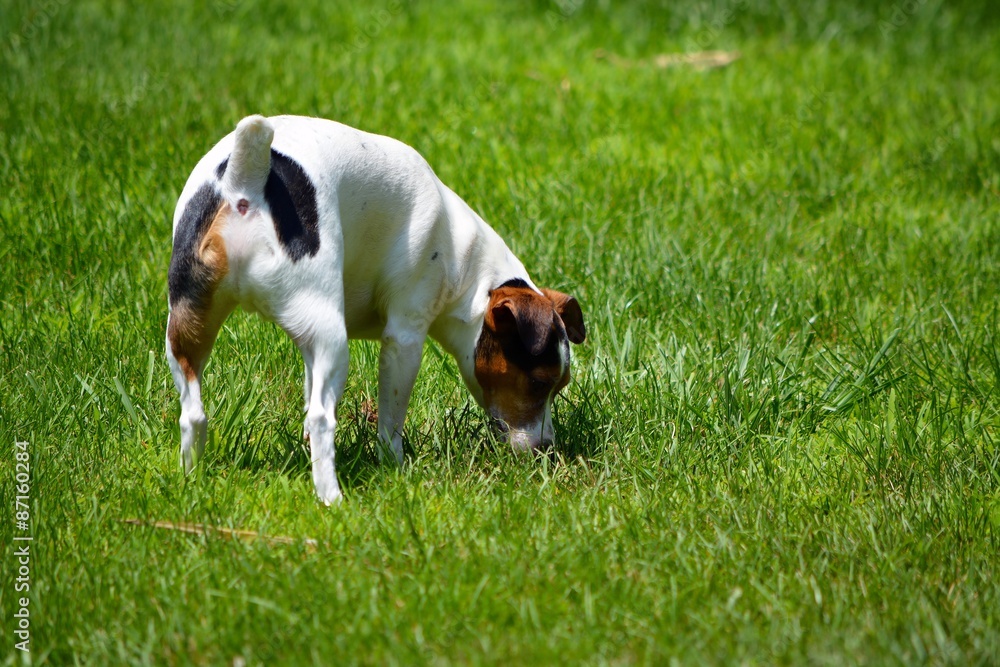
{"x":580,"y":424}
{"x":459,"y":438}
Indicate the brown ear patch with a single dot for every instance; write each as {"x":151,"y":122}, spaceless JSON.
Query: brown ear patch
{"x":569,"y":311}
{"x":500,"y":317}
{"x":520,"y":309}
{"x":521,"y":361}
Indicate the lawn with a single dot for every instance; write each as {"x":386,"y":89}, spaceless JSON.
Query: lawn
{"x":781,"y":444}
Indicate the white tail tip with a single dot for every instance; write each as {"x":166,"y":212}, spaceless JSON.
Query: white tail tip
{"x":250,"y":161}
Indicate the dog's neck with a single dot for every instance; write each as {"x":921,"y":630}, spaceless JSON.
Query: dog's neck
{"x":459,"y":326}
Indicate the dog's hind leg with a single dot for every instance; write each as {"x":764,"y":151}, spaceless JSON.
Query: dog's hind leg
{"x":198,"y":264}
{"x":190,"y":336}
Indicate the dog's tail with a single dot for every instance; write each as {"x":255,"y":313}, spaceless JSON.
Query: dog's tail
{"x":250,"y":162}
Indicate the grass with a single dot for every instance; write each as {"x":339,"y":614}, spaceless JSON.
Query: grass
{"x":781,"y":442}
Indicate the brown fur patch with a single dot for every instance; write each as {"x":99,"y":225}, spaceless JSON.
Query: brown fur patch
{"x":192,"y":328}
{"x":570,"y":313}
{"x":212,"y":251}
{"x":515,"y":394}
{"x":518,"y":361}
{"x":190,"y":342}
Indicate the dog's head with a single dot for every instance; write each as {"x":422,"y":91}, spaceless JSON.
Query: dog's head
{"x":522,"y":359}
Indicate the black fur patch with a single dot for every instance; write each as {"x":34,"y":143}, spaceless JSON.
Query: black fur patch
{"x":292,"y":198}
{"x":515,"y":282}
{"x":514,"y":348}
{"x":515,"y":351}
{"x":188,"y":278}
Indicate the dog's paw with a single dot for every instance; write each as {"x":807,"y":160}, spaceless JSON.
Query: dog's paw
{"x":334,"y":498}
{"x":328,"y":491}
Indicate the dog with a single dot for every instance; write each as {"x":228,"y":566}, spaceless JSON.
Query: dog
{"x":334,"y":233}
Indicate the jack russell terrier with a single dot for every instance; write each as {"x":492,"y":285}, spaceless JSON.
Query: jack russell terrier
{"x":335,"y":233}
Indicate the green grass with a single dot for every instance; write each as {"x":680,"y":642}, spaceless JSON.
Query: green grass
{"x":781,"y":442}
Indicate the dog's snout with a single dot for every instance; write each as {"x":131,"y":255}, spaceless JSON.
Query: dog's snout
{"x":530,"y":437}
{"x":525,"y":441}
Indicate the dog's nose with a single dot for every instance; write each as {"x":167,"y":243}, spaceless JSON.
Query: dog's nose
{"x":524,"y":441}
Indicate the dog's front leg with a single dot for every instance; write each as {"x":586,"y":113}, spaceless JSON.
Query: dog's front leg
{"x":307,"y":389}
{"x":398,"y":363}
{"x":328,"y":364}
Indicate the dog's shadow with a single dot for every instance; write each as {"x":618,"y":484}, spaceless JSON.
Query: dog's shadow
{"x":580,"y":426}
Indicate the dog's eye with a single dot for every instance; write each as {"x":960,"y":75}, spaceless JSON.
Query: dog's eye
{"x":538,"y":384}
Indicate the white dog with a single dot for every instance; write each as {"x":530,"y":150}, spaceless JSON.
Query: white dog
{"x":335,"y":233}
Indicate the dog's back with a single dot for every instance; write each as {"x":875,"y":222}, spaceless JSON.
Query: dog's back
{"x":366,"y":206}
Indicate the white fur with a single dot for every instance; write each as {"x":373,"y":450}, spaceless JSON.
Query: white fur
{"x":401,"y":256}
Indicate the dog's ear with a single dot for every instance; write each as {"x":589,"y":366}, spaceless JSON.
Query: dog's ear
{"x":524,"y":314}
{"x":569,"y":311}
{"x":500,"y":316}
